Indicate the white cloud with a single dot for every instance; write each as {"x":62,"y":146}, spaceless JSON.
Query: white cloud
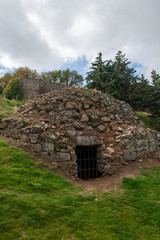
{"x":7,"y":62}
{"x":43,"y":34}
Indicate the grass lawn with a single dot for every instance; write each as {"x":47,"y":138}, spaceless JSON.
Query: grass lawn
{"x":35,"y":204}
{"x":146,"y":119}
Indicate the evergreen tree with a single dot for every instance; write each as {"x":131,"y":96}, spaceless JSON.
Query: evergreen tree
{"x":96,"y":78}
{"x":123,"y":76}
{"x":155,"y":78}
{"x":110,"y":82}
{"x":114,"y":77}
{"x":141,"y":94}
{"x":155,"y":104}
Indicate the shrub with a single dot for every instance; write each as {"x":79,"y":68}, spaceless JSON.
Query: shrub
{"x":1,"y":89}
{"x":14,"y":90}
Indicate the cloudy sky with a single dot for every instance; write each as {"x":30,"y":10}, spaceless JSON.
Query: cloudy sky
{"x":52,"y":34}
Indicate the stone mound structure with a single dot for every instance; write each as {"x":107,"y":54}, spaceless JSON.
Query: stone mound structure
{"x":83,"y":132}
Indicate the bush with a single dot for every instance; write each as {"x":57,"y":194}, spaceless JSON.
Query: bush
{"x":14,"y":90}
{"x":1,"y":89}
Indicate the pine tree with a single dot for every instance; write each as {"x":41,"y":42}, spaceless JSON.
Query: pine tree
{"x":114,"y":77}
{"x":141,"y":94}
{"x":155,"y":78}
{"x":155,"y":104}
{"x":110,"y":82}
{"x":96,"y":77}
{"x":123,"y":76}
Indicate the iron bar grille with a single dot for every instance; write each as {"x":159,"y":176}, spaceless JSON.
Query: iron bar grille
{"x":87,"y":162}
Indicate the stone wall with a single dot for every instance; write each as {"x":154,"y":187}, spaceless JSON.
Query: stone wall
{"x":53,"y":124}
{"x":34,"y":87}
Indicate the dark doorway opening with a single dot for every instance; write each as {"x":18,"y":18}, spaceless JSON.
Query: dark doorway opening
{"x":87,"y":162}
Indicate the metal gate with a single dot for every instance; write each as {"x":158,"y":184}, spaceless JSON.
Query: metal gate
{"x":87,"y":162}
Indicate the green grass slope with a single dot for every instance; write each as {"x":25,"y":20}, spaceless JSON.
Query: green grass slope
{"x":37,"y":205}
{"x":148,"y":121}
{"x":7,"y":107}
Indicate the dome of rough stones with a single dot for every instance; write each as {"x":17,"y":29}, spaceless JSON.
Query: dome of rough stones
{"x":83,"y":132}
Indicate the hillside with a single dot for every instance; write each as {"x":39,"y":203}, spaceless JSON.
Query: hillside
{"x":7,"y":107}
{"x":35,"y":204}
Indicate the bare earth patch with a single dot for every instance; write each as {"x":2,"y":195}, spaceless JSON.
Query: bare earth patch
{"x":112,"y":183}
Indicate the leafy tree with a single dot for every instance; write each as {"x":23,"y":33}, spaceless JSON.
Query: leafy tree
{"x":71,"y":78}
{"x":55,"y":76}
{"x":22,"y":72}
{"x":25,"y":72}
{"x":44,"y":77}
{"x":66,"y":77}
{"x":14,"y":90}
{"x":6,"y":78}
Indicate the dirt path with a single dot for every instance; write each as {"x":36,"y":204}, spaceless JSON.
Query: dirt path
{"x":112,"y":183}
